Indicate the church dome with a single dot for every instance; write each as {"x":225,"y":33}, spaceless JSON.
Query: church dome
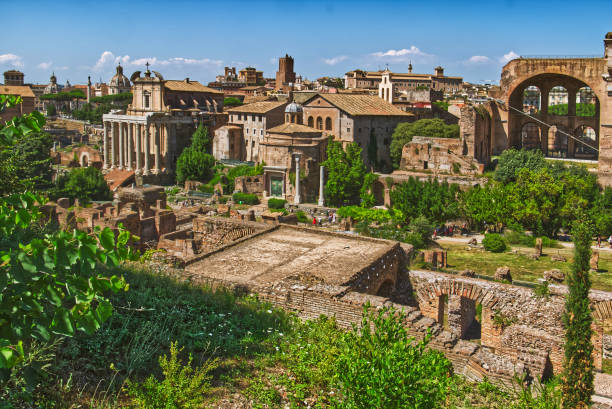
{"x":119,"y":80}
{"x":293,"y":108}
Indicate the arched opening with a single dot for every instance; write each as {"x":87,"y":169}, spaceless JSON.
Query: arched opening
{"x":585,"y":149}
{"x":328,"y":124}
{"x":319,"y":123}
{"x":84,"y":160}
{"x":531,"y":137}
{"x":585,"y":102}
{"x":386,"y":289}
{"x":557,"y":101}
{"x":532,"y":99}
{"x":311,"y":122}
{"x":460,"y":315}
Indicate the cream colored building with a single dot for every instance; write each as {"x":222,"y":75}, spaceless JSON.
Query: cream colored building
{"x":149,"y":136}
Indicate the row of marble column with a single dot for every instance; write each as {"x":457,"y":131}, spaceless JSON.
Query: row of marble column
{"x":123,"y":146}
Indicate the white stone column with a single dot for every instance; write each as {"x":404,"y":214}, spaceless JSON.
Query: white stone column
{"x":321,"y":184}
{"x":129,"y":146}
{"x":147,"y":149}
{"x":297,"y":199}
{"x":168,"y":160}
{"x":121,"y":161}
{"x":106,"y":158}
{"x":138,"y":150}
{"x":113,"y":148}
{"x":156,"y":168}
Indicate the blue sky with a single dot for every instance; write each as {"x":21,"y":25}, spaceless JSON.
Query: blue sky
{"x":197,"y":39}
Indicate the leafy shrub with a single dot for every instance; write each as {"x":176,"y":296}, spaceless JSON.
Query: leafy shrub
{"x":85,"y":184}
{"x":541,"y":290}
{"x":193,"y":164}
{"x":232,"y":102}
{"x":494,"y":243}
{"x":206,"y":189}
{"x":359,"y":213}
{"x":223,"y":199}
{"x":247,"y":198}
{"x":274,"y":203}
{"x":456,"y":168}
{"x":301,"y":217}
{"x":512,"y":161}
{"x":501,"y":320}
{"x":422,"y":228}
{"x":183,"y":387}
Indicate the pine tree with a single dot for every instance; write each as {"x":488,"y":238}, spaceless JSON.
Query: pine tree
{"x":577,"y":379}
{"x":200,"y":139}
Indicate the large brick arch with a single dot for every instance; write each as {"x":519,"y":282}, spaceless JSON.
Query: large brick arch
{"x":475,"y":292}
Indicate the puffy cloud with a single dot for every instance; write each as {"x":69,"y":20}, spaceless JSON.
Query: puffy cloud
{"x":478,"y":59}
{"x":44,"y":65}
{"x":508,"y":57}
{"x":108,"y":58}
{"x":403,"y":54}
{"x":11,"y":59}
{"x":334,"y":60}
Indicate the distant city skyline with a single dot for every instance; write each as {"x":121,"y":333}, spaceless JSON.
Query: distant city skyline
{"x":197,"y":39}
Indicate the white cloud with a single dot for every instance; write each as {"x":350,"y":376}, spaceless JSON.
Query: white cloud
{"x":11,"y":59}
{"x":403,"y":54}
{"x":508,"y":57}
{"x":108,"y":58}
{"x":334,"y":60}
{"x":478,"y":59}
{"x":44,"y":65}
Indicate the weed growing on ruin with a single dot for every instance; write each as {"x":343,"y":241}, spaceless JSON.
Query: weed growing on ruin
{"x":182,"y":387}
{"x":501,"y":320}
{"x":541,"y":290}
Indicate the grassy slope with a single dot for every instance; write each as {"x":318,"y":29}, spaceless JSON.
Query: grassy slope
{"x":254,"y":343}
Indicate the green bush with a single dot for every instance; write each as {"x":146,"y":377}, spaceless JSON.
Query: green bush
{"x":85,"y":184}
{"x":494,"y":243}
{"x":276,"y":203}
{"x":51,"y":110}
{"x":245,"y":198}
{"x":301,"y":217}
{"x":193,"y":164}
{"x":359,"y":213}
{"x":183,"y":387}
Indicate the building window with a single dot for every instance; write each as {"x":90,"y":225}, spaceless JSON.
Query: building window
{"x":261,"y":132}
{"x":328,"y":124}
{"x":246,"y":131}
{"x":147,"y":99}
{"x":311,"y":122}
{"x":348,"y":130}
{"x":319,"y":122}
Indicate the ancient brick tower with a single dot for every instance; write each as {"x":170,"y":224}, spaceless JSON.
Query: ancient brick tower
{"x":285,"y":74}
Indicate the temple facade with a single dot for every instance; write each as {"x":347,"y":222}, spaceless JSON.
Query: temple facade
{"x":148,"y":137}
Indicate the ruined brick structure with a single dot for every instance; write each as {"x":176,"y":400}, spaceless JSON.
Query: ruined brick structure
{"x":513,"y":129}
{"x":296,"y":268}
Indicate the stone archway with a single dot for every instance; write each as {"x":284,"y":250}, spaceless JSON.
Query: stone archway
{"x":386,"y":289}
{"x":84,"y":160}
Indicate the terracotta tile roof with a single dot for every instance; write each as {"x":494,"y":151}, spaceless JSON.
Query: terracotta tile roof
{"x":192,"y":86}
{"x":21,"y":90}
{"x":252,"y":87}
{"x":368,"y":105}
{"x":116,"y":178}
{"x":257,"y":107}
{"x":290,"y":128}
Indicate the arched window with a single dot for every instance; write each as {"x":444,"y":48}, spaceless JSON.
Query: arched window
{"x":557,"y":101}
{"x":319,"y":123}
{"x":147,"y":99}
{"x":585,"y":102}
{"x":311,"y":122}
{"x":328,"y":124}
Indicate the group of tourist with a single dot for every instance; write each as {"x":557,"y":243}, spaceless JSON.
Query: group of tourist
{"x":450,"y":230}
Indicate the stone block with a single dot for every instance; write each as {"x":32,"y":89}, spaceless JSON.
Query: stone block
{"x":503,"y":273}
{"x":538,"y":246}
{"x":594,"y":262}
{"x":554,"y":275}
{"x":558,"y":257}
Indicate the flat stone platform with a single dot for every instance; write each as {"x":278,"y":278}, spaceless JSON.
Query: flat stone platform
{"x":292,"y":252}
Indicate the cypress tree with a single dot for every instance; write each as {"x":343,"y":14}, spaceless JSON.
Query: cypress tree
{"x":577,"y":379}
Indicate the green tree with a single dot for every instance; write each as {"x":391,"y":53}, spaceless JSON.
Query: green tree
{"x":512,"y":161}
{"x":85,"y":184}
{"x":232,"y":102}
{"x":200,"y":139}
{"x":346,"y":174}
{"x":485,"y":205}
{"x":194,"y":164}
{"x":404,"y":132}
{"x":577,"y":378}
{"x":432,"y":199}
